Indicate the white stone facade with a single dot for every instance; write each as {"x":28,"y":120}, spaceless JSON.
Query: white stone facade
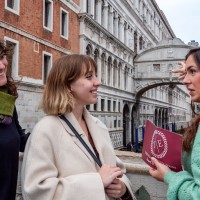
{"x":115,"y":33}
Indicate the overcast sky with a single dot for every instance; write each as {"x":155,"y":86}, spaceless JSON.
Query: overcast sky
{"x":184,"y":18}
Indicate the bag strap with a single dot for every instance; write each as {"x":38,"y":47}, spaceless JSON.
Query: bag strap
{"x":81,"y":140}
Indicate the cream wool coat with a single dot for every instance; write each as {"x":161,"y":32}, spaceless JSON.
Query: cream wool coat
{"x":56,"y":166}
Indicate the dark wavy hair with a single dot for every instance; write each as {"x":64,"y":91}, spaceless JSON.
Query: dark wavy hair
{"x":191,"y":131}
{"x":10,"y":85}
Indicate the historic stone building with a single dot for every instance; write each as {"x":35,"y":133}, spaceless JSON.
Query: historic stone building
{"x":117,"y":34}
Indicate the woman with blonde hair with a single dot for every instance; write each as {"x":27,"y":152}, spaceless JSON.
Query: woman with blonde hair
{"x":57,"y":165}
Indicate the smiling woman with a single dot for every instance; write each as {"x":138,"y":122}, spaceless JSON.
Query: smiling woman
{"x":12,"y":137}
{"x":185,"y":185}
{"x":56,"y":165}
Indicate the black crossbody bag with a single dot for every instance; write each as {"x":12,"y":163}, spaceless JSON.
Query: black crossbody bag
{"x":85,"y":145}
{"x":81,"y":140}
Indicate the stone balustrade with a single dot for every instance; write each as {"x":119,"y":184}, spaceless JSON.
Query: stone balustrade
{"x":143,"y":185}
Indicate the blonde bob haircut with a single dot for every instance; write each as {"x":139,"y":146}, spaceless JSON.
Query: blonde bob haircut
{"x":57,"y":98}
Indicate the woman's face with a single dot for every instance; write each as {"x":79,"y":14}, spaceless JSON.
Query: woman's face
{"x":3,"y":69}
{"x":192,"y":79}
{"x":84,"y":89}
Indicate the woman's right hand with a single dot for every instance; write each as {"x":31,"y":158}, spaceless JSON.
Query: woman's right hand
{"x":180,"y":70}
{"x":108,"y":173}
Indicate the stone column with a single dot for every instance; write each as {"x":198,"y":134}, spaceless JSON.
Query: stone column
{"x":119,"y":75}
{"x":137,"y":4}
{"x":126,"y":34}
{"x":111,"y":74}
{"x":106,"y":72}
{"x":84,"y":6}
{"x":92,"y":8}
{"x":105,"y":15}
{"x":99,"y":11}
{"x":99,"y":104}
{"x":122,"y":77}
{"x":99,"y":67}
{"x":110,"y":19}
{"x":138,"y":41}
{"x":121,"y":29}
{"x":116,"y":19}
{"x":141,"y":7}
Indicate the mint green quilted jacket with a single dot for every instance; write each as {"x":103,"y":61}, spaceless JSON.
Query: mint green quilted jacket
{"x":185,"y":185}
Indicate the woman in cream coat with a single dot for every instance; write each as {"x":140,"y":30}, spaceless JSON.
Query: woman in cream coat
{"x":56,"y":165}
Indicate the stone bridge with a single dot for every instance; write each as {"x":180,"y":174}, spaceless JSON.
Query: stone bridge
{"x":147,"y":84}
{"x":153,"y":66}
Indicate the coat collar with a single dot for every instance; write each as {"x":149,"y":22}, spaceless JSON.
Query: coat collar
{"x":94,"y":128}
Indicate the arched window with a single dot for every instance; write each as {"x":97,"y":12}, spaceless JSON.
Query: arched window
{"x":96,"y":55}
{"x":135,"y":41}
{"x":140,"y":43}
{"x":96,"y":59}
{"x":89,"y":50}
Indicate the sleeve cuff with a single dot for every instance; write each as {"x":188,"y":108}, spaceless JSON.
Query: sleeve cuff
{"x":168,"y":176}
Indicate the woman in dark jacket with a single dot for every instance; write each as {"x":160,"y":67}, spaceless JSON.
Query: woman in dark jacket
{"x":12,"y":137}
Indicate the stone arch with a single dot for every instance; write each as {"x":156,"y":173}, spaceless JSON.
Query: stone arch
{"x":143,"y":88}
{"x":89,"y":50}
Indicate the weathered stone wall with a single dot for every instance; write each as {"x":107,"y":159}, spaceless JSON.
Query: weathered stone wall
{"x":27,"y":106}
{"x":137,"y":172}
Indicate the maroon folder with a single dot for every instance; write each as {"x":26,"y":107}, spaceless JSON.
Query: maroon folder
{"x":164,"y":145}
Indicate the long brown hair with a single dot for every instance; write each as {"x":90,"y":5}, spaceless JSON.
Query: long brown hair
{"x":10,"y":85}
{"x":191,"y":131}
{"x":57,"y":98}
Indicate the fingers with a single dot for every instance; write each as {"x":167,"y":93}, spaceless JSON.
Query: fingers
{"x":108,"y":173}
{"x":155,"y":161}
{"x":160,"y":170}
{"x":116,"y":189}
{"x":180,"y":69}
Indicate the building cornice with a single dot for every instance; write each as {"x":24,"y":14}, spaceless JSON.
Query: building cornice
{"x":164,"y":18}
{"x":32,"y":37}
{"x":138,"y":19}
{"x":70,"y":4}
{"x":88,"y":20}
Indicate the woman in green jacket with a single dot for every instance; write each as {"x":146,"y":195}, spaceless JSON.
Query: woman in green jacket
{"x":185,"y":185}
